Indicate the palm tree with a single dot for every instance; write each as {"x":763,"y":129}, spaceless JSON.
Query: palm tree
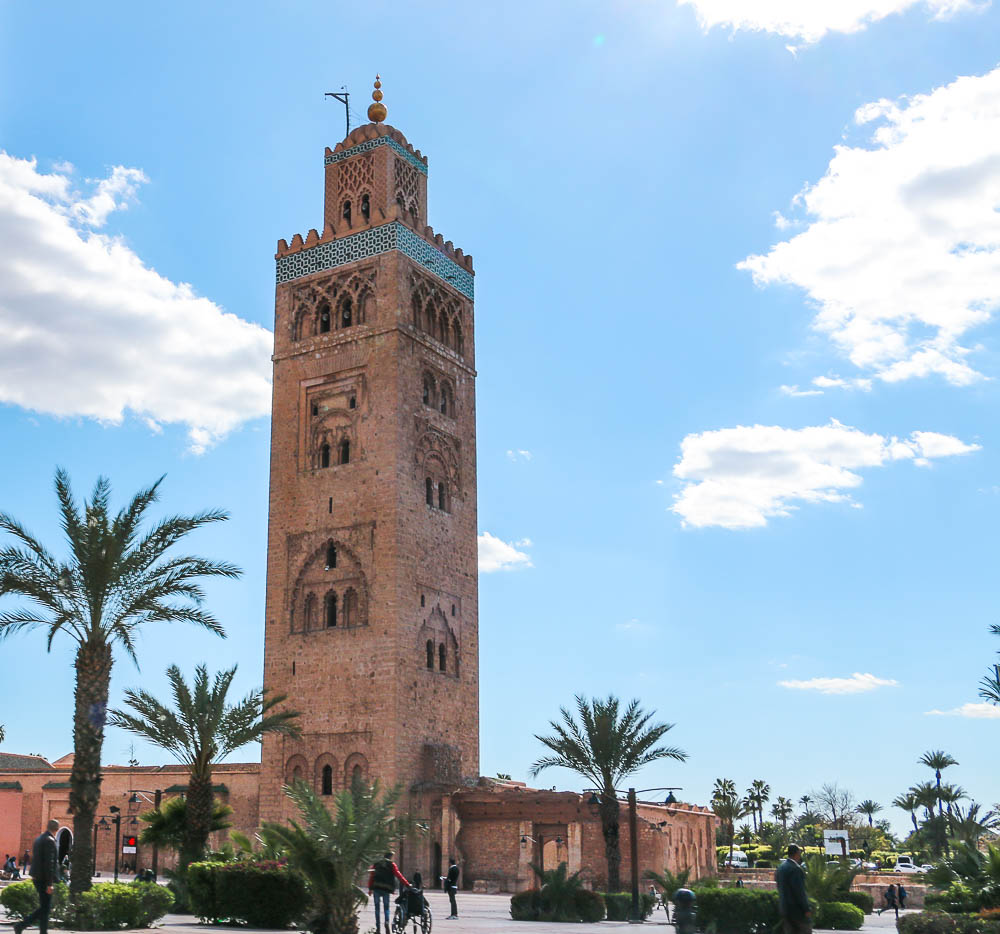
{"x":804,"y":801}
{"x":669,"y":882}
{"x":332,"y":849}
{"x":606,"y":747}
{"x":968,"y":827}
{"x":168,"y":824}
{"x":781,"y":810}
{"x":2,"y":735}
{"x":200,"y":732}
{"x":926,"y":795}
{"x":938,"y":760}
{"x":728,"y":807}
{"x":990,"y":685}
{"x":950,"y":794}
{"x":869,"y":808}
{"x":116,"y":579}
{"x":761,"y":795}
{"x":908,"y":802}
{"x":749,"y":803}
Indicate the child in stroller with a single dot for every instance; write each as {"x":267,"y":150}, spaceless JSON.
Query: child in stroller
{"x":411,"y":904}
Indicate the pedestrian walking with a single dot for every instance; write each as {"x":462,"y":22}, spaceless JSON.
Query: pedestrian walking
{"x":451,"y":884}
{"x":44,"y":873}
{"x":24,"y":863}
{"x":382,"y":882}
{"x":891,"y":896}
{"x":900,"y":895}
{"x":793,"y":903}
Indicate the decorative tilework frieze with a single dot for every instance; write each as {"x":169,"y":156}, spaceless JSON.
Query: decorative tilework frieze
{"x":370,"y":144}
{"x":372,"y":242}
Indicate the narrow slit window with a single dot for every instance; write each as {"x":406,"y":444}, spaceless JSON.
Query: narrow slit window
{"x":429,"y":491}
{"x":442,"y":658}
{"x":429,"y":649}
{"x":324,"y":318}
{"x":442,"y":497}
{"x":327,"y":780}
{"x":324,"y":456}
{"x":352,"y":403}
{"x":331,"y":610}
{"x":331,"y":556}
{"x":366,"y":207}
{"x":344,"y":452}
{"x":315,"y":408}
{"x":346,"y":313}
{"x":347,"y":211}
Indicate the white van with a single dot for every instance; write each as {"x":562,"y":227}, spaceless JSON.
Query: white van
{"x":738,"y":860}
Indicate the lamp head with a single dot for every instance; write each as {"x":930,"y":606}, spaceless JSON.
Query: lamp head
{"x":670,"y":799}
{"x":114,"y":809}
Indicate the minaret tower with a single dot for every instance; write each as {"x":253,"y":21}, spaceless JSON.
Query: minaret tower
{"x":372,"y":626}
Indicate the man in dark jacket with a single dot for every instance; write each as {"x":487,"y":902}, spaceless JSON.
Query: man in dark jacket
{"x":451,"y":884}
{"x":793,"y":903}
{"x":45,"y":874}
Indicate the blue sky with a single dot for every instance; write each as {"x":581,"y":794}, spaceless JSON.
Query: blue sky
{"x":737,"y":280}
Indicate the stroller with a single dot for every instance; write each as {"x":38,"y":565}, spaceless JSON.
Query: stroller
{"x":412,"y":906}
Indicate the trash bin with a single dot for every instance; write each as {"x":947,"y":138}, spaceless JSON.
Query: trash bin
{"x":685,"y":911}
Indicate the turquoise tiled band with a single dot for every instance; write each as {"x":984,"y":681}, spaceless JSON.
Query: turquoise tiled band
{"x":372,"y":242}
{"x":370,"y":144}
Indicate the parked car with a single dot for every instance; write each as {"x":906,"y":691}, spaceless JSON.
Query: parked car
{"x":905,"y":864}
{"x":738,"y":860}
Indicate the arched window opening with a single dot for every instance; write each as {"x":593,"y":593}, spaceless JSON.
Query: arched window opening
{"x":315,"y":408}
{"x":366,"y":208}
{"x":331,"y":555}
{"x":347,"y":211}
{"x":445,"y":331}
{"x":331,"y":610}
{"x":429,"y":648}
{"x":453,"y":609}
{"x":297,"y":774}
{"x":357,"y":775}
{"x":422,"y":600}
{"x":350,"y":608}
{"x":324,"y":318}
{"x":324,"y":456}
{"x":442,"y":658}
{"x":308,"y":613}
{"x":352,"y":403}
{"x":401,"y":203}
{"x":445,"y":405}
{"x":327,"y":780}
{"x":429,"y":491}
{"x":429,"y":389}
{"x":344,"y":452}
{"x":442,"y":496}
{"x":346,"y":313}
{"x":459,"y":347}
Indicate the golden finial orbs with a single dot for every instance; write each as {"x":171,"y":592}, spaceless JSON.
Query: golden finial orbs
{"x":377,"y":111}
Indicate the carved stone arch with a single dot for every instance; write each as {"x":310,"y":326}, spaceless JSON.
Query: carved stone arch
{"x":355,"y":760}
{"x":436,"y":631}
{"x":323,"y":762}
{"x":296,"y":768}
{"x":436,"y":453}
{"x":314,"y":577}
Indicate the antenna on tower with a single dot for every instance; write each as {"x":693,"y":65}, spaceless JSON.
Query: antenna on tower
{"x":342,"y":95}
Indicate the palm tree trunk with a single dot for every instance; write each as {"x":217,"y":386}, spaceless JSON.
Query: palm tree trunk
{"x":913,"y":817}
{"x":198,"y":824}
{"x":610,"y":812}
{"x":93,"y":677}
{"x":344,"y":919}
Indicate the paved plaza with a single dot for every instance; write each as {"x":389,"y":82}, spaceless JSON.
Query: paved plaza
{"x":479,"y":914}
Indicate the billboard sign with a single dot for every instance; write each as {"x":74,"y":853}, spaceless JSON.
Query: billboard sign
{"x":835,"y":843}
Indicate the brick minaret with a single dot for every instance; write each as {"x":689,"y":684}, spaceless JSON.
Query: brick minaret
{"x":371,"y":626}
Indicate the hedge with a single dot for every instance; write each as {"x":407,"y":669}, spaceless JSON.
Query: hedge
{"x":957,"y":898}
{"x":263,"y":894}
{"x":20,"y":899}
{"x":838,"y":916}
{"x":619,"y":905}
{"x":863,"y":900}
{"x":937,"y":922}
{"x":737,"y":911}
{"x":113,"y":906}
{"x":531,"y":906}
{"x":107,"y":906}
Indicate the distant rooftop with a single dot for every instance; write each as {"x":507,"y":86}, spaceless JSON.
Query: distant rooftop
{"x":12,"y":762}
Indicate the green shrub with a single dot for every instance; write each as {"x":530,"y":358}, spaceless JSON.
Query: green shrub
{"x":20,"y":899}
{"x":262,"y":894}
{"x":958,"y":898}
{"x":737,"y":911}
{"x":862,"y":900}
{"x":937,"y":922}
{"x":534,"y":906}
{"x":838,"y":916}
{"x":619,"y":905}
{"x":590,"y":906}
{"x":112,"y":906}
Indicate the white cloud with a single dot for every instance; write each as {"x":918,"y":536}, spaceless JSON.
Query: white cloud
{"x":810,"y":20}
{"x":837,"y":382}
{"x":497,"y":555}
{"x":87,"y":329}
{"x":516,"y":455}
{"x":795,"y":391}
{"x":974,"y":711}
{"x":856,"y":684}
{"x":901,"y":255}
{"x":740,"y":477}
{"x":634,"y":627}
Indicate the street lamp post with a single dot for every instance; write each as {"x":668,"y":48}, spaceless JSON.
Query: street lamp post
{"x":633,"y":834}
{"x":117,"y":821}
{"x":157,"y":799}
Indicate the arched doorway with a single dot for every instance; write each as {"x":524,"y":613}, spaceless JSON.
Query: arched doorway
{"x":64,"y":843}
